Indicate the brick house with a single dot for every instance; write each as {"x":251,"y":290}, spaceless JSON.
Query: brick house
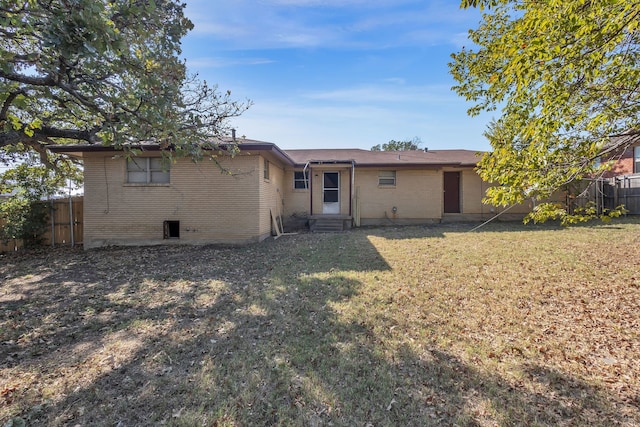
{"x":627,"y":160}
{"x":247,"y":198}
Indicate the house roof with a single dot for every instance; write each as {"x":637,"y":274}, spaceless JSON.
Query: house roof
{"x":359,"y":157}
{"x":386,"y":158}
{"x":77,"y":150}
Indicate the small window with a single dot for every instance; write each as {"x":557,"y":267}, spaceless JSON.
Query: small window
{"x":636,"y":159}
{"x":266,"y":169}
{"x":387,"y":178}
{"x":171,"y":229}
{"x":301,"y":180}
{"x":148,"y":170}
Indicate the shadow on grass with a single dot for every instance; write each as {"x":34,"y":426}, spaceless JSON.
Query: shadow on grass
{"x":436,"y":231}
{"x":245,"y":336}
{"x":403,"y":232}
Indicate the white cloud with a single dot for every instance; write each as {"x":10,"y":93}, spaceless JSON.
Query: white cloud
{"x":303,"y":123}
{"x":326,"y":94}
{"x":343,"y":4}
{"x":395,"y":80}
{"x":328,"y":23}
{"x":218,"y":62}
{"x":388,"y":93}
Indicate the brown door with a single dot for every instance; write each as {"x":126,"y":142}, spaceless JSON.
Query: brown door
{"x":452,"y":192}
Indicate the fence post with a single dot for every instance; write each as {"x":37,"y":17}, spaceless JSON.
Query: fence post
{"x":626,"y":192}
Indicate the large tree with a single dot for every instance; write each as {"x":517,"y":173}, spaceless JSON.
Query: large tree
{"x":565,"y":75}
{"x":403,"y":145}
{"x":102,"y":72}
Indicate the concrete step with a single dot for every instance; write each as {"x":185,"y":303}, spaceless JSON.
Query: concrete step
{"x":328,"y":226}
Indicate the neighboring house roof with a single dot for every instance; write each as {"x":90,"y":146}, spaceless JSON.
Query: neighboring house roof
{"x":302,"y":157}
{"x":617,"y":144}
{"x":629,"y":137}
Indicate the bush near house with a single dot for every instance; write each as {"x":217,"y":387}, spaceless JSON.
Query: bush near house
{"x":56,"y":222}
{"x":23,"y":219}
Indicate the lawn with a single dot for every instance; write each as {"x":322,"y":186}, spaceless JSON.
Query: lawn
{"x":410,"y":326}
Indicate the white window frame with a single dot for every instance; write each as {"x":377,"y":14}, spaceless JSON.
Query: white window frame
{"x":304,"y":180}
{"x":153,"y":174}
{"x":387,"y":178}
{"x":636,"y":159}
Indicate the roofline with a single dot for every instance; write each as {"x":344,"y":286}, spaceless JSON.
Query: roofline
{"x":258,"y":146}
{"x":400,"y":165}
{"x":268,"y":146}
{"x":262,"y":146}
{"x":394,"y":165}
{"x":327,"y":161}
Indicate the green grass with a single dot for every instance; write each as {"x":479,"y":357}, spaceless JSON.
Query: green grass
{"x":511,"y":325}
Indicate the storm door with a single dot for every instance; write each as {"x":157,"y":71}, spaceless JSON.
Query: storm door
{"x":331,"y":193}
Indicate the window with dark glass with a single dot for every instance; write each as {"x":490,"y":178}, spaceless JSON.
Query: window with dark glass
{"x":301,"y":180}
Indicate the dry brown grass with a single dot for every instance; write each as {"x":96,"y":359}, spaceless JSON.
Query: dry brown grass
{"x":512,"y":325}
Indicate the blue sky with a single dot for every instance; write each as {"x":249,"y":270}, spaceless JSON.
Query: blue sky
{"x":338,"y":74}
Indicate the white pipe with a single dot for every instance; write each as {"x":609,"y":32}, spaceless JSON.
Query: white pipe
{"x":304,"y":176}
{"x":73,"y":243}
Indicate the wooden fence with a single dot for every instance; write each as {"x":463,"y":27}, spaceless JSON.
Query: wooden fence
{"x":626,"y":191}
{"x":64,"y":225}
{"x":609,"y":194}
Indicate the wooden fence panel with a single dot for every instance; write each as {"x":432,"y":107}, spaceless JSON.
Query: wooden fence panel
{"x":11,"y":245}
{"x":628,"y":193}
{"x":630,"y":197}
{"x":64,"y":228}
{"x":64,"y":225}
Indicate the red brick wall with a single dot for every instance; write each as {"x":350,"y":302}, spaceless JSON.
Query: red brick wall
{"x":622,"y":166}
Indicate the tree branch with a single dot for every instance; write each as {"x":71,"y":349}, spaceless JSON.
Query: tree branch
{"x":7,"y":103}
{"x":80,"y":135}
{"x":28,"y":80}
{"x":42,"y":136}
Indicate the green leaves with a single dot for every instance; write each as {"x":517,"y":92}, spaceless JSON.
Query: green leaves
{"x":564,"y":75}
{"x":99,"y":71}
{"x":556,"y":211}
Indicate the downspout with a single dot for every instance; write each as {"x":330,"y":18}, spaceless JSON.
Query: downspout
{"x":310,"y":191}
{"x":307,"y":186}
{"x":353,"y":178}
